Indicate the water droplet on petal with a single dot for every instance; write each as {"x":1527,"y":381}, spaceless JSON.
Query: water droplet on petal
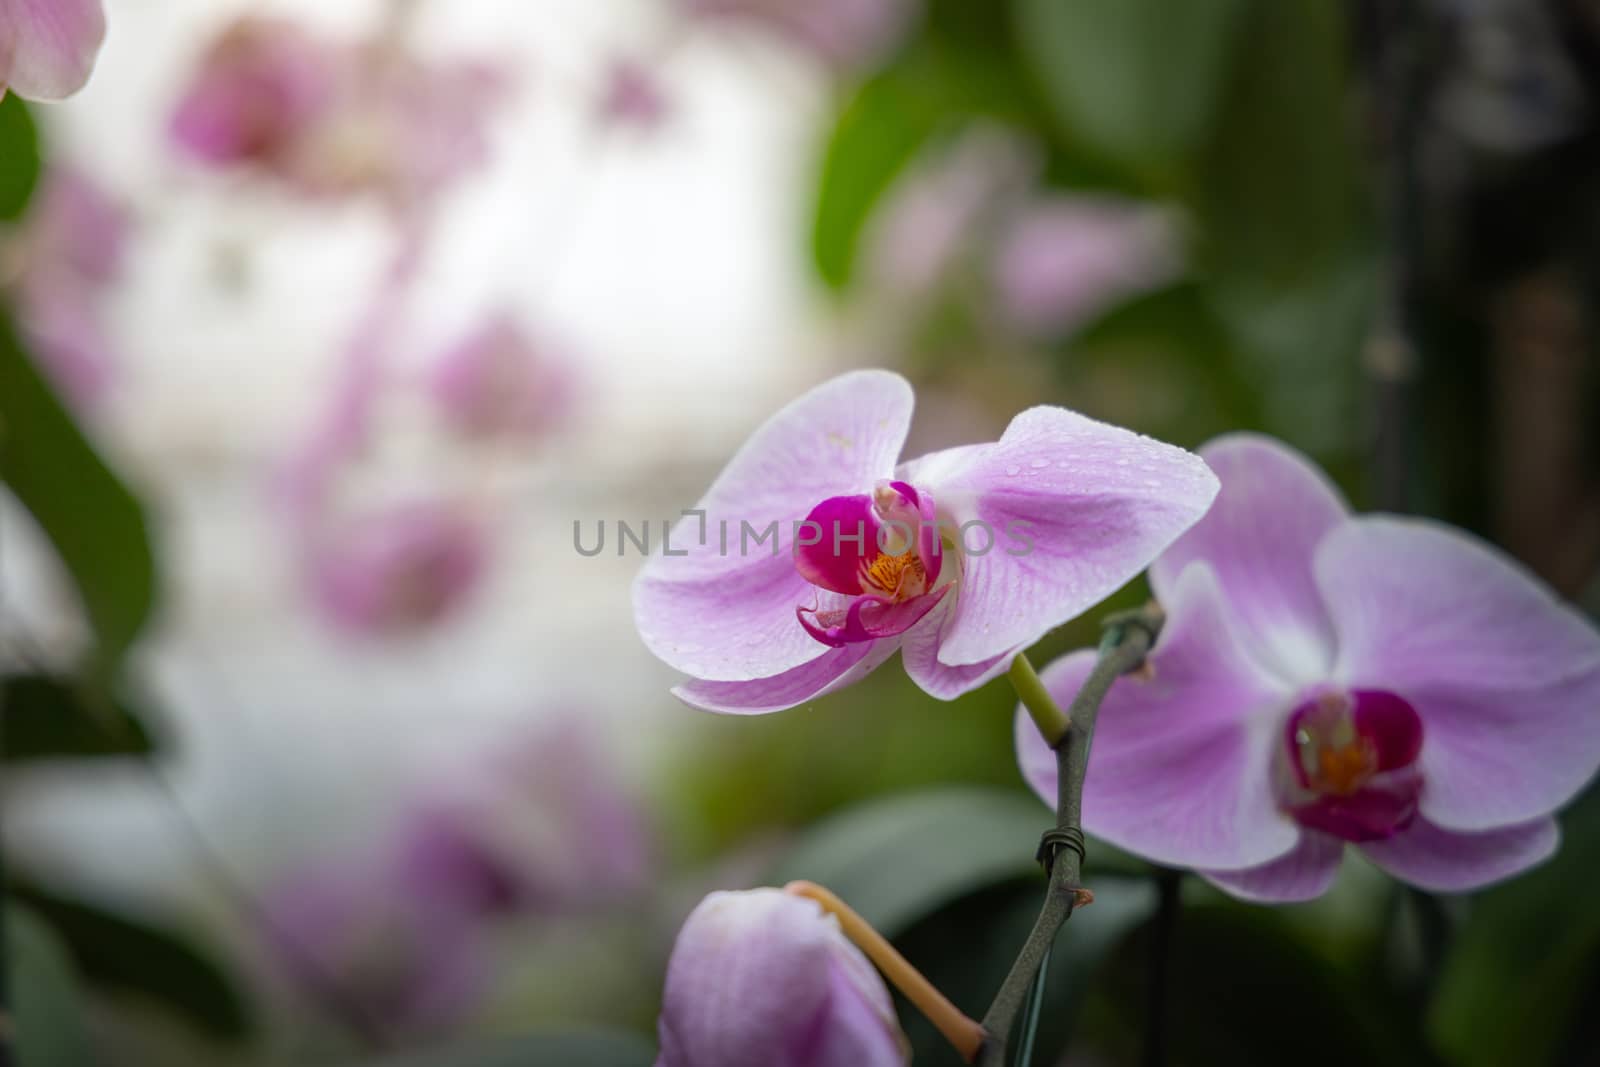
{"x":1013,"y":470}
{"x":1036,"y":464}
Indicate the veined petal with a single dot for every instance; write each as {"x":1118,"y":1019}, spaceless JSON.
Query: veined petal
{"x":766,"y":977}
{"x":1070,"y":509}
{"x":834,"y":669}
{"x":1182,"y":765}
{"x":1259,"y":537}
{"x":919,"y":651}
{"x":1493,"y":758}
{"x":48,"y":47}
{"x":727,"y":614}
{"x":1418,"y":603}
{"x":1429,"y":857}
{"x":1304,"y":873}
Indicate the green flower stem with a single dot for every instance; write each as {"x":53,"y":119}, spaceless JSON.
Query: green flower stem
{"x":1128,"y":637}
{"x":1047,"y":714}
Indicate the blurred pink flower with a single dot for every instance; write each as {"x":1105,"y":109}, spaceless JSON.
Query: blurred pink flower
{"x":499,"y":380}
{"x":400,"y":932}
{"x":258,"y":89}
{"x":842,"y":33}
{"x":332,"y":118}
{"x":396,"y":569}
{"x":544,"y":826}
{"x":632,"y":95}
{"x":943,"y":208}
{"x":48,"y":47}
{"x":72,"y":246}
{"x":1063,"y":259}
{"x":357,"y":947}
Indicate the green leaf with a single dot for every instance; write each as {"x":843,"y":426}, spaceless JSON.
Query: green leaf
{"x":900,"y":859}
{"x":1510,"y":989}
{"x":19,"y":157}
{"x":592,"y":1048}
{"x":116,"y":951}
{"x":1136,"y":81}
{"x":934,"y":89}
{"x":1279,"y":191}
{"x":1244,"y":988}
{"x":94,"y":522}
{"x":53,"y":718}
{"x":50,"y":1030}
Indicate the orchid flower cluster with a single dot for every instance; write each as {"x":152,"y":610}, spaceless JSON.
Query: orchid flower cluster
{"x":1321,"y":680}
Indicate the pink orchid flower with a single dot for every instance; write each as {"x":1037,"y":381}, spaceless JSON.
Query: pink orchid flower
{"x":397,"y":569}
{"x":1063,"y":259}
{"x":960,"y":558}
{"x":1326,"y":680}
{"x":332,"y":118}
{"x":73,"y":245}
{"x":501,"y":380}
{"x":48,"y":47}
{"x":762,"y":976}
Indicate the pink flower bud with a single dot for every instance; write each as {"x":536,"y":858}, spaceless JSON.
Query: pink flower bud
{"x":765,"y":977}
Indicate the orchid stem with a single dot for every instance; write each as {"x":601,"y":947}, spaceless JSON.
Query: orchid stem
{"x":1046,"y":713}
{"x":1128,"y":637}
{"x":962,"y":1031}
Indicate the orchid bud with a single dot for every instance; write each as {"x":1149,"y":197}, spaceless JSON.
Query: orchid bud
{"x":762,"y":976}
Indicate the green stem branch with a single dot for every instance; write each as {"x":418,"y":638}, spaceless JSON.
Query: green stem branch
{"x":1128,"y":637}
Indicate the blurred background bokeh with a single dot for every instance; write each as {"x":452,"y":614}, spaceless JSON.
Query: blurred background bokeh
{"x":332,"y":336}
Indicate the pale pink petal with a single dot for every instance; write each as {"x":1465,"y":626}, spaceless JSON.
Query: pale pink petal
{"x":1495,"y":757}
{"x":728,"y":613}
{"x":1274,"y":508}
{"x":1418,"y":603}
{"x":1064,"y":259}
{"x":1071,"y":509}
{"x":1445,"y":862}
{"x":1181,"y":768}
{"x":834,"y":669}
{"x":48,"y":47}
{"x":1505,"y":676}
{"x":919,"y":652}
{"x":1305,"y":873}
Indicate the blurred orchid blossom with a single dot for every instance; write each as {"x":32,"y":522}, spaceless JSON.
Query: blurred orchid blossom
{"x":935,"y":216}
{"x":1060,"y":260}
{"x":960,"y":558}
{"x":500,"y":381}
{"x":543,"y":825}
{"x":69,"y":253}
{"x":1325,"y":680}
{"x":331,"y":118}
{"x":396,"y":569}
{"x":538,"y":827}
{"x":764,"y":976}
{"x":48,"y":47}
{"x":632,"y":95}
{"x":394,"y":962}
{"x":841,"y":33}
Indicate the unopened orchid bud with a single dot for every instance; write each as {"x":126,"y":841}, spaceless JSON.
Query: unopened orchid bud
{"x":766,"y":977}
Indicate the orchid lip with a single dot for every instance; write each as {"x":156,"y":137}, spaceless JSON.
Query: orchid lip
{"x":883,"y":551}
{"x":867,"y":618}
{"x":1352,"y":757}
